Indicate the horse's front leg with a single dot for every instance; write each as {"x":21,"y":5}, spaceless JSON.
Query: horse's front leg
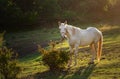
{"x":71,"y":51}
{"x":76,"y":54}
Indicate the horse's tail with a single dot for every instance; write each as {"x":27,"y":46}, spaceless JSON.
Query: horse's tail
{"x":99,"y":51}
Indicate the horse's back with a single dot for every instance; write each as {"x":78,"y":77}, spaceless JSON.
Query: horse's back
{"x":89,"y":35}
{"x":95,"y":32}
{"x":93,"y":29}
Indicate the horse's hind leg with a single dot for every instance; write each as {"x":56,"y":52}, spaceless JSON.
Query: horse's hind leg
{"x":93,"y":51}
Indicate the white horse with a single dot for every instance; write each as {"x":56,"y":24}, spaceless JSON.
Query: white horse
{"x":79,"y":37}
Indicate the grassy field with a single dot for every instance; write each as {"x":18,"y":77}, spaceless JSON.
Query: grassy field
{"x":33,"y":68}
{"x":26,"y":42}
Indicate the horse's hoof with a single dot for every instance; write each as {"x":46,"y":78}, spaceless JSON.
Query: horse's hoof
{"x":91,"y":63}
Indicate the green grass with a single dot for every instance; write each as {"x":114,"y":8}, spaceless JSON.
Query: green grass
{"x":26,"y":42}
{"x":108,"y":68}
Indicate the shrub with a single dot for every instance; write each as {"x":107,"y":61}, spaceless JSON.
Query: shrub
{"x":55,"y":59}
{"x":8,"y":64}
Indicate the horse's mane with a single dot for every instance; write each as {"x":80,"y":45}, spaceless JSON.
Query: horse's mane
{"x":71,"y":26}
{"x":72,"y":29}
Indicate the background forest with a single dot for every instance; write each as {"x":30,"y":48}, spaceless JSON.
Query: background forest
{"x":19,"y":14}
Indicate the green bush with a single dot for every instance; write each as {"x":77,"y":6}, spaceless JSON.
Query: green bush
{"x":8,"y":64}
{"x":55,"y":59}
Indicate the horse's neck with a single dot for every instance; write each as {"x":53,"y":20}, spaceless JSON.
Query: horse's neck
{"x":67,"y":32}
{"x":70,"y":30}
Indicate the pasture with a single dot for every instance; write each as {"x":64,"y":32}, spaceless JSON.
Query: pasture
{"x":32,"y":67}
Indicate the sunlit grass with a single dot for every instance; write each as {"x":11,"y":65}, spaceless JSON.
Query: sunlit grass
{"x":63,"y":44}
{"x":106,"y":27}
{"x":108,"y":68}
{"x":31,"y":65}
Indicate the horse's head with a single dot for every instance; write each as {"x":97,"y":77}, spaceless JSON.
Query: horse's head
{"x":62,"y":27}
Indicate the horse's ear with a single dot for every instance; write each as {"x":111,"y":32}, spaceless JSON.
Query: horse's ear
{"x":59,"y":22}
{"x":65,"y":22}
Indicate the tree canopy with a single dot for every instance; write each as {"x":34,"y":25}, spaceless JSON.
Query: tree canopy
{"x":21,"y":13}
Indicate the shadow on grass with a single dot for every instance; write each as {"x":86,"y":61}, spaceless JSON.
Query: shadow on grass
{"x":113,"y":33}
{"x":81,"y":73}
{"x":84,"y":73}
{"x":51,"y":75}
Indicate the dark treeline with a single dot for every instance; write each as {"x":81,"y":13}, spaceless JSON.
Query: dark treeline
{"x":28,"y":13}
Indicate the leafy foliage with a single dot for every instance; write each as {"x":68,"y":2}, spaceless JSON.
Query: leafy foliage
{"x":54,"y":58}
{"x":8,"y":63}
{"x":28,"y":12}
